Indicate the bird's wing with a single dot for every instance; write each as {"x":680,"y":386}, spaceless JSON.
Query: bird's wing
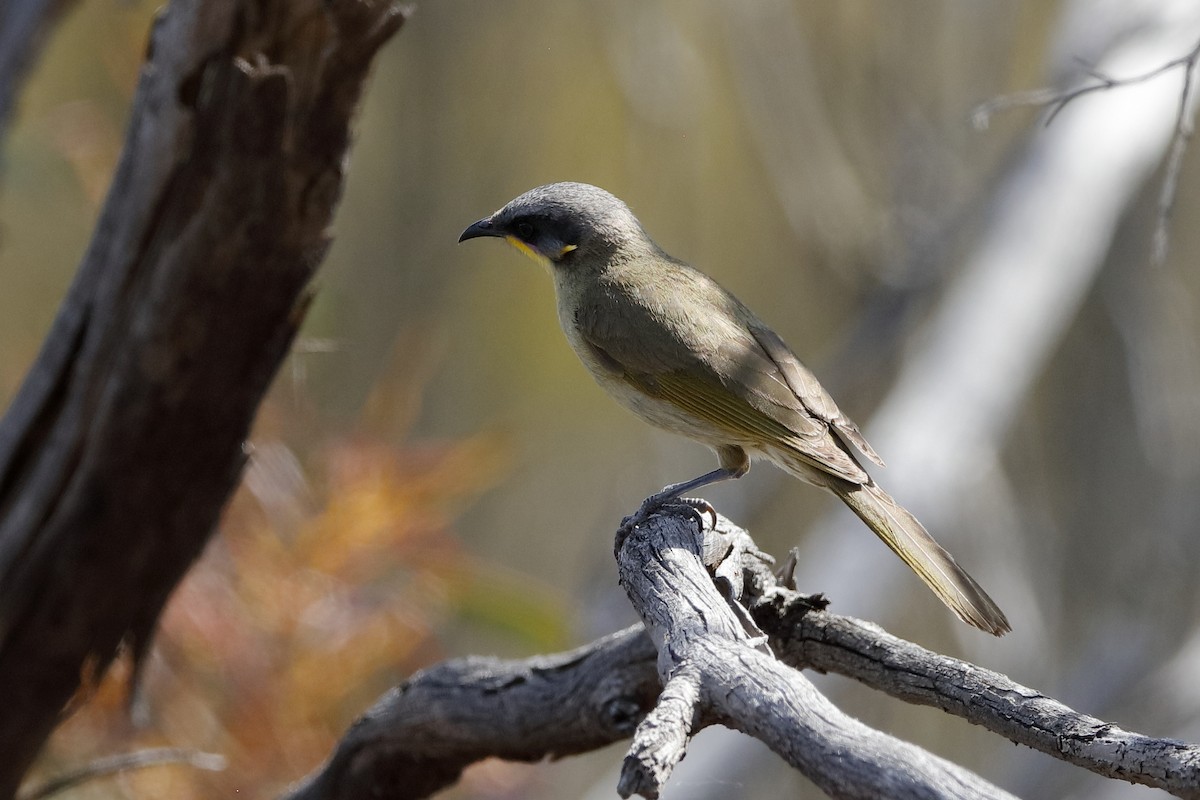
{"x":809,"y":390}
{"x":716,"y":369}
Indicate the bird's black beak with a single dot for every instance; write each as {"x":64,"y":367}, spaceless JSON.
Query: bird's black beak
{"x":482,"y":228}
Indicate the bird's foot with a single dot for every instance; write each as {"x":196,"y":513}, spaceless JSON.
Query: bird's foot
{"x":697,"y":506}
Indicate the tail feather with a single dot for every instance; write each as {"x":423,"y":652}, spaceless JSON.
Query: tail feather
{"x":908,"y":539}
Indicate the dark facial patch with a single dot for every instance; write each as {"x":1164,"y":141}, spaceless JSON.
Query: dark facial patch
{"x":553,"y":233}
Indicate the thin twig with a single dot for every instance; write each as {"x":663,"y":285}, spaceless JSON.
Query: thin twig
{"x":112,"y":765}
{"x":1184,"y":126}
{"x":1056,"y":101}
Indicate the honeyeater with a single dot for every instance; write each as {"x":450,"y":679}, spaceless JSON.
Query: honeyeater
{"x":685,"y":355}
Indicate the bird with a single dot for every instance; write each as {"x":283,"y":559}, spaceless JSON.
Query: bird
{"x":681,"y":352}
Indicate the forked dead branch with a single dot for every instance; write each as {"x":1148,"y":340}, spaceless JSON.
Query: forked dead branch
{"x":708,"y":600}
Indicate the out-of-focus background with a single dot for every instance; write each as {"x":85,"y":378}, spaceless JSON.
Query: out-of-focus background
{"x":435,"y":475}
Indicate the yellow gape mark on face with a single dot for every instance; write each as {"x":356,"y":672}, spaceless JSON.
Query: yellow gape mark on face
{"x":566,"y":248}
{"x":527,"y":250}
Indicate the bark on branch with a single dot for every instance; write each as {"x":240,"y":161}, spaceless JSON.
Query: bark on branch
{"x":843,"y":645}
{"x":126,"y":438}
{"x":723,"y":673}
{"x":421,"y":735}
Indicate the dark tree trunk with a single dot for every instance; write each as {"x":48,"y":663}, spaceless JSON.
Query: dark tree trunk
{"x":126,"y":438}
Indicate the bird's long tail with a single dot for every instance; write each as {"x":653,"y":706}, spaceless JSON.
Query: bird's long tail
{"x":908,"y":539}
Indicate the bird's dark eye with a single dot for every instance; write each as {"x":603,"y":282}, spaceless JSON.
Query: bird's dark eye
{"x":525,"y":231}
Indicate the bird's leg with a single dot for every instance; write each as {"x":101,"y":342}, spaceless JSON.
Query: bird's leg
{"x":676,"y":490}
{"x":734,"y":464}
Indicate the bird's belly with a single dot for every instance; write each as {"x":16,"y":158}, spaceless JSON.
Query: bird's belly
{"x":663,"y":413}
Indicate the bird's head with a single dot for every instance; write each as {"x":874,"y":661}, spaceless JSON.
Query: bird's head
{"x":564,"y":224}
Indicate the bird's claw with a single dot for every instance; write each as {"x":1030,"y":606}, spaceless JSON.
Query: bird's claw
{"x":700,"y":507}
{"x":696,"y":506}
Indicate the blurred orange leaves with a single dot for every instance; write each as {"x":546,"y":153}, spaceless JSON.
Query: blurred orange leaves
{"x":316,"y":597}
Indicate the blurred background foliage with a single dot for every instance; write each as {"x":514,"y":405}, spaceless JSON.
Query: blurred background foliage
{"x":434,"y":475}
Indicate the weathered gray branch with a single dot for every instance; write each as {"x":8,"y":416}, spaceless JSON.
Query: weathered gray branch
{"x":125,"y":440}
{"x":843,"y":645}
{"x":419,"y":737}
{"x":705,"y":646}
